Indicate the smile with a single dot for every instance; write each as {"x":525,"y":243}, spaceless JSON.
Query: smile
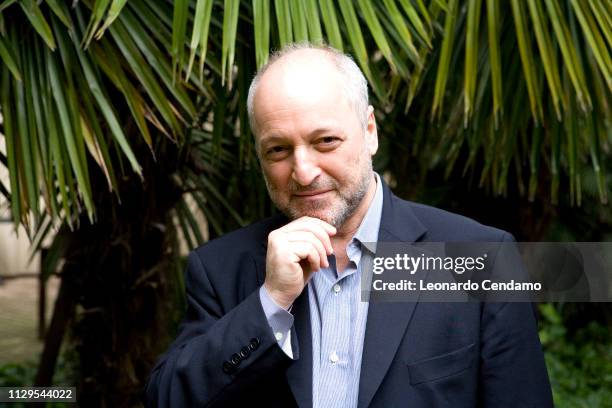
{"x":311,"y":194}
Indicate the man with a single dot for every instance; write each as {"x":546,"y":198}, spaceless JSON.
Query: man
{"x":274,"y":314}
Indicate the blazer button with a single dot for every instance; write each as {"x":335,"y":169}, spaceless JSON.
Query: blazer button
{"x":227,"y":367}
{"x":235,"y":360}
{"x":254,"y":343}
{"x":245,"y":352}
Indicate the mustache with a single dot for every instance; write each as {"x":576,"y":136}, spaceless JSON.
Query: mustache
{"x":293,"y":187}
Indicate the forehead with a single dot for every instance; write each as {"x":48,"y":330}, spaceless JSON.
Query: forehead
{"x":300,"y":78}
{"x":305,"y":84}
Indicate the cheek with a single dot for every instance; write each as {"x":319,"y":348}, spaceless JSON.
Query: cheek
{"x":278,"y":174}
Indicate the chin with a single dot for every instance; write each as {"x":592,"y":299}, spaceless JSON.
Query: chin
{"x":322,"y":214}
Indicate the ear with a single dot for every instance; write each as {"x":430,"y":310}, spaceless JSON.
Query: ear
{"x":371,"y":134}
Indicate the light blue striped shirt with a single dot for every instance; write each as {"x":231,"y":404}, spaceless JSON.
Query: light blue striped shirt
{"x":337,"y":316}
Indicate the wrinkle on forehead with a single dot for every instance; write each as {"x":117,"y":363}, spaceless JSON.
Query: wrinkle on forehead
{"x":307,"y":77}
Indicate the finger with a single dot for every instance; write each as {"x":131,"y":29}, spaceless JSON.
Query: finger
{"x":314,"y":240}
{"x":307,"y":252}
{"x":330,"y":229}
{"x":308,"y":224}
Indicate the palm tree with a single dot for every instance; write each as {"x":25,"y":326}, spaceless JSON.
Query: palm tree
{"x":122,"y":121}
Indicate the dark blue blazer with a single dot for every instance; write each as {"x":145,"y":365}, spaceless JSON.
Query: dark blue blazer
{"x":415,"y":354}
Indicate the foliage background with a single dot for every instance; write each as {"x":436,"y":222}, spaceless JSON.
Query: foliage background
{"x":125,"y":132}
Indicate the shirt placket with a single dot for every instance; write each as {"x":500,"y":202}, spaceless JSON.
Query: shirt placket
{"x":334,"y":355}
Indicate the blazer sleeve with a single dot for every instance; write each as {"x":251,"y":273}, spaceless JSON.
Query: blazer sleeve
{"x":512,"y":368}
{"x":513,"y":372}
{"x":215,"y":353}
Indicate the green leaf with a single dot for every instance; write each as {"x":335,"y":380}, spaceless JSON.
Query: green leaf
{"x":24,"y":146}
{"x":595,"y":40}
{"x":416,"y":21}
{"x":403,"y":31}
{"x":30,"y":139}
{"x":596,"y":157}
{"x":495,"y":58}
{"x":10,"y":141}
{"x":179,"y":33}
{"x":6,"y":3}
{"x":547,"y":53}
{"x":569,"y":53}
{"x":534,"y":161}
{"x":8,"y":57}
{"x":524,"y":43}
{"x":64,"y":110}
{"x":369,"y":15}
{"x":143,"y":73}
{"x":230,"y":24}
{"x":97,"y":14}
{"x":571,"y":129}
{"x":107,"y":112}
{"x":298,"y":19}
{"x":604,"y":17}
{"x":200,"y":33}
{"x":113,"y":12}
{"x":445,"y":57}
{"x":357,"y":42}
{"x":65,"y":95}
{"x":95,"y":137}
{"x":332,"y":28}
{"x":34,"y":14}
{"x":283,"y":21}
{"x":60,"y":10}
{"x":157,"y":60}
{"x":261,"y":22}
{"x":38,"y":90}
{"x":426,"y":15}
{"x":110,"y":64}
{"x":416,"y":78}
{"x":314,"y":23}
{"x":58,"y":162}
{"x":471,"y":58}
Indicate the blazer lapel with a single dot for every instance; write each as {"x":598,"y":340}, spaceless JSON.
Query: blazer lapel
{"x":387,"y":321}
{"x":299,"y":373}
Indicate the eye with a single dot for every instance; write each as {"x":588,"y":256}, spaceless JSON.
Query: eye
{"x":276,"y":149}
{"x":328,"y":142}
{"x":276,"y":152}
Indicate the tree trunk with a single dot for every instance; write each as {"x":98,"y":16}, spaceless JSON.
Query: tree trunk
{"x":119,"y":283}
{"x":62,"y":312}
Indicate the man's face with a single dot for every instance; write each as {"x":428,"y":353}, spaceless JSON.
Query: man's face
{"x":314,"y":151}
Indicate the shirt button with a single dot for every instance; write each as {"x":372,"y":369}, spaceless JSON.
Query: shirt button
{"x":333,"y":357}
{"x":337,"y":288}
{"x":279,"y":336}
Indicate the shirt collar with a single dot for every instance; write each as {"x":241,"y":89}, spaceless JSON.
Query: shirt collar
{"x":368,"y":229}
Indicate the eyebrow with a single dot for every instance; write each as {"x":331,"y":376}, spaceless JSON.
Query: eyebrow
{"x":277,"y":138}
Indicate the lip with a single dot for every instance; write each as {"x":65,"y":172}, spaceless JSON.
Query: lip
{"x":311,"y":194}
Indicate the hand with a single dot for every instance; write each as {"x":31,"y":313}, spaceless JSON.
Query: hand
{"x":295,"y":251}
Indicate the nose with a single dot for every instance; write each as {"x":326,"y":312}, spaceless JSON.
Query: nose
{"x":305,"y":167}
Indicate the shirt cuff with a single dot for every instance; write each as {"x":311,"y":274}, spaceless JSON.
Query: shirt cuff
{"x":279,"y":319}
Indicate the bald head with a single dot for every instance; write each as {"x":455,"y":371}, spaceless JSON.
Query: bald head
{"x":307,"y":73}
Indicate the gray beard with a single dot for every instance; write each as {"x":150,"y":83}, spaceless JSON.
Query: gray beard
{"x":348,"y":203}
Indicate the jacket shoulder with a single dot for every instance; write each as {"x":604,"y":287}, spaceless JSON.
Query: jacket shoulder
{"x":444,"y":225}
{"x":245,"y":239}
{"x":231,"y":264}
